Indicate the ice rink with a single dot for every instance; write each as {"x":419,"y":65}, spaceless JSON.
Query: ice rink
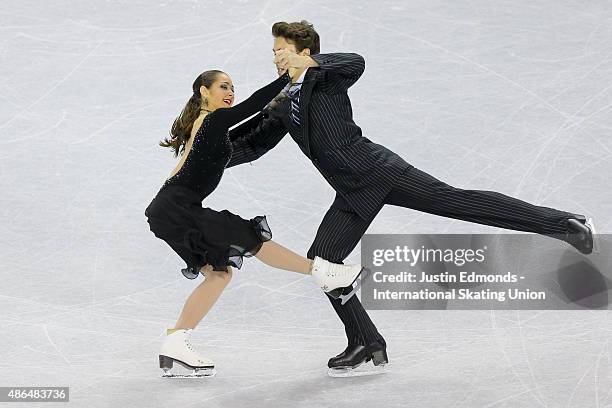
{"x":511,"y":96}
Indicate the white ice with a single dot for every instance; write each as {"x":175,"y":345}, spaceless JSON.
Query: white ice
{"x":511,"y":96}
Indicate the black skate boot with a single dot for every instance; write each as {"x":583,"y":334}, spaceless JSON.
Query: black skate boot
{"x":351,"y":361}
{"x":580,"y":234}
{"x":332,"y":361}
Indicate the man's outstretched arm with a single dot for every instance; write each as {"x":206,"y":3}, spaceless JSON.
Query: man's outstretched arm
{"x":342,"y":69}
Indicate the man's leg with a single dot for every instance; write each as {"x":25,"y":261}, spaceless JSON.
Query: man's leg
{"x":420,"y":191}
{"x":338,"y":234}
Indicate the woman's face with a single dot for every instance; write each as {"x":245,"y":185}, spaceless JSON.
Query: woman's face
{"x":220,"y":94}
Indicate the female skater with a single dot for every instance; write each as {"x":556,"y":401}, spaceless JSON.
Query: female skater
{"x":209,"y":241}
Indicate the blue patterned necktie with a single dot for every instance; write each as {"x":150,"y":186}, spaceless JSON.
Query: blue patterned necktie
{"x":294,"y":95}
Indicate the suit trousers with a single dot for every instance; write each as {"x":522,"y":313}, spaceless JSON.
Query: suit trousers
{"x":341,"y":229}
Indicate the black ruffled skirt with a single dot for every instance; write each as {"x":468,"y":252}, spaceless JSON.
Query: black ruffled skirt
{"x":202,"y":236}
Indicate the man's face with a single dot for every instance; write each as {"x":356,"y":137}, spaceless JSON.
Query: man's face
{"x":281,"y":43}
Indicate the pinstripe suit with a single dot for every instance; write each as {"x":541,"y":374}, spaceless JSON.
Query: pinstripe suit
{"x":366,"y":175}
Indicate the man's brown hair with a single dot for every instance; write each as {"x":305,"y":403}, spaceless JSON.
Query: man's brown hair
{"x":302,"y":34}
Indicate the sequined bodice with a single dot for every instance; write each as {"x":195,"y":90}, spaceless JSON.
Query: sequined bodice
{"x":212,"y":147}
{"x":204,"y":165}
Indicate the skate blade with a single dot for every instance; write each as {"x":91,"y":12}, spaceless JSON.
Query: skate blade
{"x":338,"y":293}
{"x":355,"y":286}
{"x":173,"y":368}
{"x":194,"y":374}
{"x":358,"y":371}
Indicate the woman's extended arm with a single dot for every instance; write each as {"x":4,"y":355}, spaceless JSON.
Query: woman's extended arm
{"x":253,"y":103}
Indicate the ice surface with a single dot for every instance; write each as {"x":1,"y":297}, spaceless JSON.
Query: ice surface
{"x":512,"y":96}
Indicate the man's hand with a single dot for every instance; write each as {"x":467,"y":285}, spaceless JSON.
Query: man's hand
{"x":285,"y":59}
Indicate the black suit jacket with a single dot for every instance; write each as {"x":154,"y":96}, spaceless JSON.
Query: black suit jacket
{"x":360,"y":171}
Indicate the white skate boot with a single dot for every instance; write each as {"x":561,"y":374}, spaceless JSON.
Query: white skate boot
{"x":335,"y":279}
{"x":177,"y":348}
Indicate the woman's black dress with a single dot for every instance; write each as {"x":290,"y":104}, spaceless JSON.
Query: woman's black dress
{"x":202,"y":236}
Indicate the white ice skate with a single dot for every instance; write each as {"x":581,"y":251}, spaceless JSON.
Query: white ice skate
{"x":177,"y":348}
{"x":335,"y":279}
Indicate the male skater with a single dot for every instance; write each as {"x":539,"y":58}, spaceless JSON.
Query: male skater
{"x":316,"y":111}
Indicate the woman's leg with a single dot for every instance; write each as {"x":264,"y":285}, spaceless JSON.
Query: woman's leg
{"x":203,"y":297}
{"x":280,"y":257}
{"x":327,"y":275}
{"x":206,"y":294}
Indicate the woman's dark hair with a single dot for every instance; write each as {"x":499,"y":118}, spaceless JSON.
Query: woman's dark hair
{"x":302,"y":34}
{"x":181,"y":128}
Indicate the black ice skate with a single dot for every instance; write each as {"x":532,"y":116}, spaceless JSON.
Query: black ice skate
{"x":581,"y":235}
{"x":353,"y":361}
